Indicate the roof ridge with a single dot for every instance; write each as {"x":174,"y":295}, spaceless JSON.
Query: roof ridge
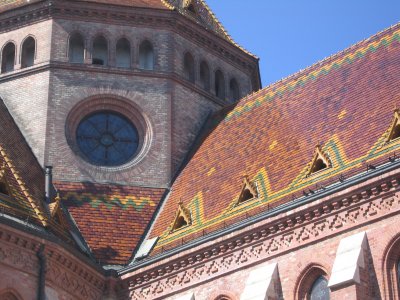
{"x":322,"y":62}
{"x":228,"y":36}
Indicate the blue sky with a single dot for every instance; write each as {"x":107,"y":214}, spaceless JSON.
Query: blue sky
{"x":290,"y":35}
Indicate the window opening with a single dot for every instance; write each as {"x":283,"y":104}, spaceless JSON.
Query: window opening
{"x":204,"y":76}
{"x":318,"y":166}
{"x":28,"y":52}
{"x":189,"y":67}
{"x":8,"y":58}
{"x":249,"y":191}
{"x":394,"y":130}
{"x":100,"y":51}
{"x":76,"y":51}
{"x":319,"y":290}
{"x":234,"y":92}
{"x":320,"y":161}
{"x":146,"y":56}
{"x":183,"y":217}
{"x":398,"y":274}
{"x":3,"y":183}
{"x":4,"y":189}
{"x":123,"y":54}
{"x":219,"y":85}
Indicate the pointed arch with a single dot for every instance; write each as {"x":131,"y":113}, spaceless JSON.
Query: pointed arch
{"x":319,"y":162}
{"x":100,"y":51}
{"x":393,"y":133}
{"x":248,"y":192}
{"x":123,"y":53}
{"x":391,"y":268}
{"x":219,"y":85}
{"x":9,"y":294}
{"x":313,"y":277}
{"x":234,"y":90}
{"x":204,"y":75}
{"x":76,"y":48}
{"x":146,"y":56}
{"x":4,"y":187}
{"x":182,"y":219}
{"x":28,"y":52}
{"x":8,"y":57}
{"x":188,"y":67}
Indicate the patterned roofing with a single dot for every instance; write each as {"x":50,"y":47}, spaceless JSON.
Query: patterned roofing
{"x":23,"y":179}
{"x":158,"y":4}
{"x":23,"y":174}
{"x":344,"y":103}
{"x":112,"y":219}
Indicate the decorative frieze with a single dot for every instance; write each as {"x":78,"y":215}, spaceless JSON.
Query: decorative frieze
{"x":267,"y":241}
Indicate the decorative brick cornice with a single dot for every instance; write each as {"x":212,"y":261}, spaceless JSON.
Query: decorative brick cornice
{"x":365,"y":203}
{"x":109,"y":70}
{"x":64,"y":270}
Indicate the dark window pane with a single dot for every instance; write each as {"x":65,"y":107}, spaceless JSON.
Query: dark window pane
{"x":320,"y":290}
{"x":107,"y":139}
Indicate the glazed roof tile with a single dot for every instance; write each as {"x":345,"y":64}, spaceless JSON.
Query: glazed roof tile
{"x":158,"y":4}
{"x":112,"y":219}
{"x":344,"y":103}
{"x":25,"y":180}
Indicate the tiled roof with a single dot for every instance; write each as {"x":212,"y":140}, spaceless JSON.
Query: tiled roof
{"x":23,"y":174}
{"x":112,"y":219}
{"x":344,"y":103}
{"x":158,"y":4}
{"x":23,"y":178}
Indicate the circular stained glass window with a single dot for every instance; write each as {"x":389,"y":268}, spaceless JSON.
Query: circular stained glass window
{"x":107,"y":139}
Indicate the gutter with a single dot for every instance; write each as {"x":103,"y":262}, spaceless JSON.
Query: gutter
{"x":337,"y":187}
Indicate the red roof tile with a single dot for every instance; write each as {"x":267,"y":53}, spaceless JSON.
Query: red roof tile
{"x":112,"y":219}
{"x":158,"y":4}
{"x":344,"y":103}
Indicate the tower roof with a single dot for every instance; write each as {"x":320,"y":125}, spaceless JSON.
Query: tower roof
{"x":195,"y":10}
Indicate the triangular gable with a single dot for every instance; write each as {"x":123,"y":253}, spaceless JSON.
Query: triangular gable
{"x":248,"y":192}
{"x":17,"y":189}
{"x":4,"y":186}
{"x":320,"y":161}
{"x":393,"y":131}
{"x":182,"y":219}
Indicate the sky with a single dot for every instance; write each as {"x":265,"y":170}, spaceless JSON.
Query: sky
{"x":290,"y":35}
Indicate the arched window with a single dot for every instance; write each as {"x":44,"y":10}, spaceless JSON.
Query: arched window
{"x":9,"y":295}
{"x":188,"y":67}
{"x":398,"y":274}
{"x":219,"y":85}
{"x":100,"y":51}
{"x":123,"y":53}
{"x":234,"y":92}
{"x":146,"y":56}
{"x":76,"y":51}
{"x":8,"y":58}
{"x":204,"y":76}
{"x":391,"y":268}
{"x":319,"y":290}
{"x":28,"y":52}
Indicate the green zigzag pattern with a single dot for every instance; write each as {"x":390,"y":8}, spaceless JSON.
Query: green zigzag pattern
{"x":312,"y":77}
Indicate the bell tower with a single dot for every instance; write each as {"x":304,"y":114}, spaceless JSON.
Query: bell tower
{"x":117,"y":91}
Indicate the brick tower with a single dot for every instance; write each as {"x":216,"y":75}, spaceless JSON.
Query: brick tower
{"x":158,"y":67}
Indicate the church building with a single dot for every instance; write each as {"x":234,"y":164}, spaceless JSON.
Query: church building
{"x":140,"y":158}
